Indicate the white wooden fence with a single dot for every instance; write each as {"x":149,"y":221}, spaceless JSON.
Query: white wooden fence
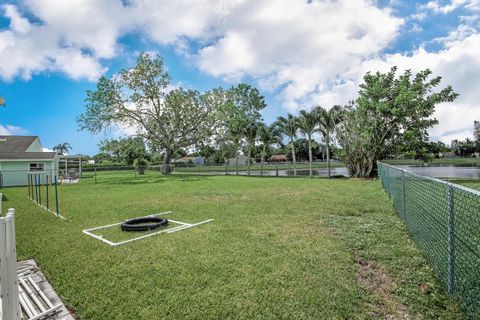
{"x":10,"y":306}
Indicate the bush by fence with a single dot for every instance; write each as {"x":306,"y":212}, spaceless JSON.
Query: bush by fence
{"x":444,"y":220}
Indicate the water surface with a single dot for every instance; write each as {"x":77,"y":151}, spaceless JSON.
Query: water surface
{"x":470,"y":171}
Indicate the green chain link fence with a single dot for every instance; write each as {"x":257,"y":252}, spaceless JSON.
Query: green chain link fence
{"x":444,"y":220}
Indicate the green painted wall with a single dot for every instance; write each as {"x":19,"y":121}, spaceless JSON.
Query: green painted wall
{"x":14,"y":173}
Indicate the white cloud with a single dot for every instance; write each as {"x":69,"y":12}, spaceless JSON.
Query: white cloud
{"x":74,"y":37}
{"x":17,"y":22}
{"x":297,"y":45}
{"x":27,"y":48}
{"x":9,"y":130}
{"x":455,"y":36}
{"x":168,"y":21}
{"x":47,"y":150}
{"x":420,"y":16}
{"x":437,"y":7}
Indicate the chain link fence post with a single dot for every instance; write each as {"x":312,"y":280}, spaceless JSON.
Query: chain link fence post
{"x":389,"y":183}
{"x":451,"y":241}
{"x":404,"y":197}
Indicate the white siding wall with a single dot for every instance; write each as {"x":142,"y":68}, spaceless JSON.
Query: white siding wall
{"x":35,"y":146}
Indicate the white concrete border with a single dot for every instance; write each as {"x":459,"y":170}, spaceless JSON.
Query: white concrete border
{"x":181,"y":226}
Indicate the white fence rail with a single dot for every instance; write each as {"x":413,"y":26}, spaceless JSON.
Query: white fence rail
{"x":10,"y":306}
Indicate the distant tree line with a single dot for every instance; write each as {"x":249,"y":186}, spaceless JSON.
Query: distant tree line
{"x":390,"y":116}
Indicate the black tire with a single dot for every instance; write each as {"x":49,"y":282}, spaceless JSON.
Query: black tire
{"x":144,"y":224}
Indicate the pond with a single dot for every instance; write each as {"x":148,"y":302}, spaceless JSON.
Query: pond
{"x":471,"y":171}
{"x":449,"y":171}
{"x":317,"y":172}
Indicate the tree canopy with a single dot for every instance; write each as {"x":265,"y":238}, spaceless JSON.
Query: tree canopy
{"x":141,"y":98}
{"x":62,"y":148}
{"x":123,"y":150}
{"x":390,"y":111}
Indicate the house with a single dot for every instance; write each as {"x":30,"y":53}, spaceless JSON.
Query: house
{"x":242,"y":161}
{"x":199,"y":161}
{"x":20,"y":155}
{"x":446,"y":155}
{"x":279,"y":158}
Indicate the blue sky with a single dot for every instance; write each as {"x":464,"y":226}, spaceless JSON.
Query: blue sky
{"x":298,"y":53}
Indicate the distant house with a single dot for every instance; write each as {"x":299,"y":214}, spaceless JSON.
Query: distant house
{"x":20,"y":155}
{"x":446,"y":155}
{"x":242,"y":161}
{"x":279,"y":158}
{"x":199,"y":161}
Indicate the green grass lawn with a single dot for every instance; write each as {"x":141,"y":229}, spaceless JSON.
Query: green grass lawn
{"x":278,"y":248}
{"x":472,"y":184}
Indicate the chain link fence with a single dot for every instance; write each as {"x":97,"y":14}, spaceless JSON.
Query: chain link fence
{"x":444,"y":220}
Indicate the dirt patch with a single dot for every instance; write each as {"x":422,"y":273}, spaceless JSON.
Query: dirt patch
{"x":375,"y":280}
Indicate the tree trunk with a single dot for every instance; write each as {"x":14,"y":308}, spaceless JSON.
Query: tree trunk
{"x":328,"y":153}
{"x":310,"y":157}
{"x":294,"y":158}
{"x":236,"y":159}
{"x":166,"y":162}
{"x":263,"y":159}
{"x":248,"y":159}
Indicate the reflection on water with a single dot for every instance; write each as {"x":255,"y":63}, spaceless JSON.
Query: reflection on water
{"x":445,"y":171}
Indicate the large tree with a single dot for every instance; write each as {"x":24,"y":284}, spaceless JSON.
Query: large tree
{"x":243,"y":106}
{"x":464,"y":148}
{"x":289,"y":127}
{"x":307,"y":123}
{"x":390,"y":111}
{"x":141,"y":98}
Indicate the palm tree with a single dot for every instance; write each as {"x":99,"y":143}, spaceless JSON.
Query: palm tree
{"x":268,"y":135}
{"x":307,"y":123}
{"x":289,"y":127}
{"x":250,"y":131}
{"x":328,"y":120}
{"x":62,"y":148}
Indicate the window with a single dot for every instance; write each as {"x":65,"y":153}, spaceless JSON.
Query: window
{"x":37,"y":166}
